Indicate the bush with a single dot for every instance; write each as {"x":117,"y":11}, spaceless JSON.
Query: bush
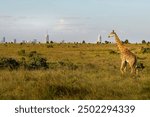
{"x":140,"y":66}
{"x":9,"y":63}
{"x":51,"y":42}
{"x":83,"y":42}
{"x":143,"y":42}
{"x":107,"y":42}
{"x":49,"y":46}
{"x":112,"y":52}
{"x":23,"y":63}
{"x":32,"y":53}
{"x":126,"y":41}
{"x":145,"y":50}
{"x":37,"y":62}
{"x":34,"y":61}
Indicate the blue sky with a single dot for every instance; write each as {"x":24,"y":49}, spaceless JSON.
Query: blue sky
{"x":74,"y":20}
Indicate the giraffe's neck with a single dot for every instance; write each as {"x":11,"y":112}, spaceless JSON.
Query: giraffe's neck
{"x":119,"y":43}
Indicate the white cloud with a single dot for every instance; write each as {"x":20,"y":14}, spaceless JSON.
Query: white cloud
{"x":70,"y":25}
{"x":60,"y":25}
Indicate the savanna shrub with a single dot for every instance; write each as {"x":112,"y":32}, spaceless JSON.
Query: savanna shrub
{"x":37,"y":62}
{"x":9,"y":63}
{"x":23,"y":63}
{"x":112,"y":52}
{"x":33,"y":61}
{"x":140,"y":66}
{"x":50,"y":46}
{"x":32,"y":53}
{"x":145,"y":50}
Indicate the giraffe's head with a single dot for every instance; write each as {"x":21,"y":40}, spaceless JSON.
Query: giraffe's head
{"x":111,"y":34}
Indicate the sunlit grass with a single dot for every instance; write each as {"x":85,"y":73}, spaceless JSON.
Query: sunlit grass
{"x":96,"y":76}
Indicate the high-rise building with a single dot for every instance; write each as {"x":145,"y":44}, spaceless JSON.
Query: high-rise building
{"x":15,"y":41}
{"x":47,"y":38}
{"x":23,"y":41}
{"x":99,"y":39}
{"x":4,"y":39}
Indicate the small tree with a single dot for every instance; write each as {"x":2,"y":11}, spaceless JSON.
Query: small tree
{"x":126,"y":41}
{"x":107,"y":42}
{"x":83,"y":41}
{"x":143,"y":42}
{"x":51,"y":42}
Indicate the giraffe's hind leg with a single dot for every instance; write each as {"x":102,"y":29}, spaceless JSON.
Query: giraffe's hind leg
{"x":123,"y":66}
{"x":133,"y":67}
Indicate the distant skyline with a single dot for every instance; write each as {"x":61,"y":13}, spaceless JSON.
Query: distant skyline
{"x":74,"y":20}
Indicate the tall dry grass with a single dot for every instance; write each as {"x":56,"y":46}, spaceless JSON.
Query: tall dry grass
{"x":77,"y":71}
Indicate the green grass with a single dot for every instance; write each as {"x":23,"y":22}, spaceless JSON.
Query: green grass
{"x":76,"y":71}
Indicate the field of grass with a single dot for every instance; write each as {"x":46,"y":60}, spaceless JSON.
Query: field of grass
{"x":75,"y":71}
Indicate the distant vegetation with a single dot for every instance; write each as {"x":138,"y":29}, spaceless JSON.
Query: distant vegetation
{"x":8,"y":63}
{"x":126,"y":41}
{"x":145,"y":50}
{"x":71,"y":71}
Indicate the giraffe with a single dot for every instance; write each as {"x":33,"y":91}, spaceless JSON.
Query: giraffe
{"x":126,"y":55}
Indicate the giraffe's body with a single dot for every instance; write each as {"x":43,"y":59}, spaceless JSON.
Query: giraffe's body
{"x":126,"y":55}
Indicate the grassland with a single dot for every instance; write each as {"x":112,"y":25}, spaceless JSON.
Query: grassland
{"x":76,"y":71}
